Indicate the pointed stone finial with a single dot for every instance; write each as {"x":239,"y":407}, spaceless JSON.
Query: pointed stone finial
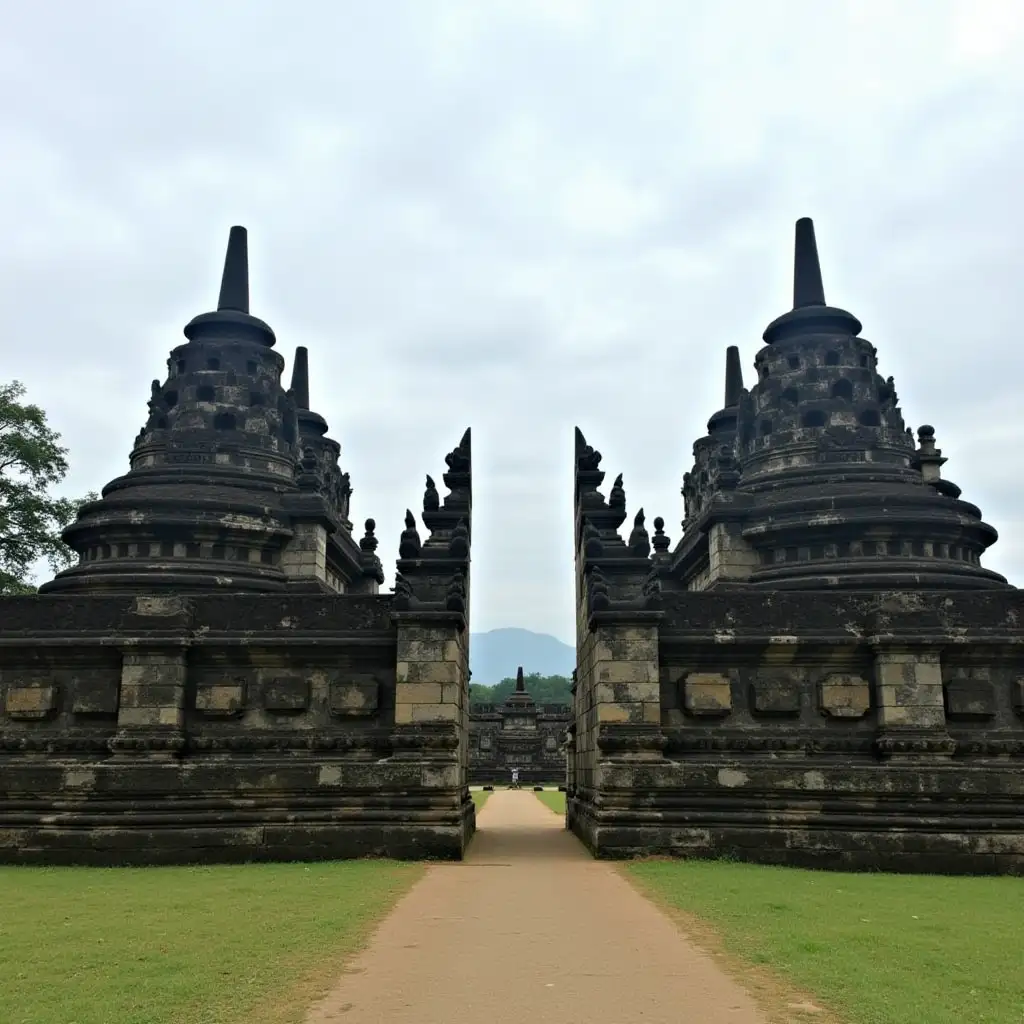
{"x":300,"y":377}
{"x":639,"y":542}
{"x":234,"y":283}
{"x":809,"y":314}
{"x":733,"y":377}
{"x":431,"y":498}
{"x":232,"y":320}
{"x":807,"y":287}
{"x":368,"y":542}
{"x":659,"y":541}
{"x":520,"y":682}
{"x":617,"y":495}
{"x":409,"y":544}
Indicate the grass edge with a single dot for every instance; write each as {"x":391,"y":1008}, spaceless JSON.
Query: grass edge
{"x":775,"y":995}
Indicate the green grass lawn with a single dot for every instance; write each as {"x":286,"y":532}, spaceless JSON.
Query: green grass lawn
{"x":479,"y":798}
{"x":873,"y":948}
{"x":215,"y":945}
{"x":552,"y":799}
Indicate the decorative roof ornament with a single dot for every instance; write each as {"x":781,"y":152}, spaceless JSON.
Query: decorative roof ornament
{"x":639,"y":542}
{"x":232,"y":317}
{"x":409,"y":544}
{"x":431,"y":499}
{"x":733,"y":377}
{"x":300,"y":377}
{"x":660,"y":541}
{"x":810,"y":314}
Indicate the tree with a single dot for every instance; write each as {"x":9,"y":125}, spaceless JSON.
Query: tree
{"x":32,"y":460}
{"x":543,"y":689}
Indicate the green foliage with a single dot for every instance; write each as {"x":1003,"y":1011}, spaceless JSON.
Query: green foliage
{"x":32,"y":460}
{"x":543,"y":689}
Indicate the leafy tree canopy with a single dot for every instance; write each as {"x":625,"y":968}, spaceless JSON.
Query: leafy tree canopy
{"x":32,"y":460}
{"x":543,"y":689}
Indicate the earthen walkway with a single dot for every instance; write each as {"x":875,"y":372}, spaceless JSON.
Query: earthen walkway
{"x":530,"y":930}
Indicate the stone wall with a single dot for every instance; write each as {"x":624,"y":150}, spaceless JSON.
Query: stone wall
{"x":230,"y":728}
{"x":880,"y":730}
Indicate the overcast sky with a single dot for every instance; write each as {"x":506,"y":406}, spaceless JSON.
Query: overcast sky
{"x":518,"y":216}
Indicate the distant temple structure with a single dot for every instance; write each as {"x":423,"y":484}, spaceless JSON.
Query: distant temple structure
{"x":218,"y":677}
{"x":821,"y":672}
{"x":518,"y":734}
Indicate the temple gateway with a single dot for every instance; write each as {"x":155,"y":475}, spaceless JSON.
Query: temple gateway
{"x":818,"y":672}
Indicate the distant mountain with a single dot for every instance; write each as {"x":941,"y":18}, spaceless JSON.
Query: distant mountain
{"x":499,"y":652}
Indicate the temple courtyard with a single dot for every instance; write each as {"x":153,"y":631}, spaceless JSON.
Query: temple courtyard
{"x":528,"y":928}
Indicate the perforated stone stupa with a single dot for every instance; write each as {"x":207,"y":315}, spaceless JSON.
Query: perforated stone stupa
{"x":233,"y":481}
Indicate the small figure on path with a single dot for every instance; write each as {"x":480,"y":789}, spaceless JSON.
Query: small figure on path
{"x":515,"y":778}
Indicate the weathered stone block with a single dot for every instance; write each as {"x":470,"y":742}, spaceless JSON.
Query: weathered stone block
{"x":1017,"y":696}
{"x":142,"y":669}
{"x":970,"y":694}
{"x":453,"y":650}
{"x":610,"y":648}
{"x":30,"y":702}
{"x":910,"y":691}
{"x":707,"y":694}
{"x":612,"y":692}
{"x":355,"y":698}
{"x":620,"y":713}
{"x":452,"y":693}
{"x":221,"y":700}
{"x":434,"y":713}
{"x":775,"y":696}
{"x":911,"y":716}
{"x":151,"y":695}
{"x":627,"y":672}
{"x":418,"y":693}
{"x":95,"y":696}
{"x":429,"y":672}
{"x":842,"y":695}
{"x":286,"y":695}
{"x":909,"y":669}
{"x":149,"y":717}
{"x":421,"y":650}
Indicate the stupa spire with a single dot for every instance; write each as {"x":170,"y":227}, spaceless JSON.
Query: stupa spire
{"x":232,"y":320}
{"x":809,"y":315}
{"x":807,"y":287}
{"x":234,"y":282}
{"x":733,"y":377}
{"x":520,"y":682}
{"x":300,"y":377}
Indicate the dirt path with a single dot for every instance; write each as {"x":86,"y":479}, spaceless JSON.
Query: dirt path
{"x":530,"y":930}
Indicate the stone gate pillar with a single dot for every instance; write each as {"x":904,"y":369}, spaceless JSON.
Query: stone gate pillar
{"x":617,"y":698}
{"x":431,"y":611}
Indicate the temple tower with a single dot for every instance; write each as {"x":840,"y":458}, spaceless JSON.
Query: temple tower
{"x":812,"y":478}
{"x":233,"y":483}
